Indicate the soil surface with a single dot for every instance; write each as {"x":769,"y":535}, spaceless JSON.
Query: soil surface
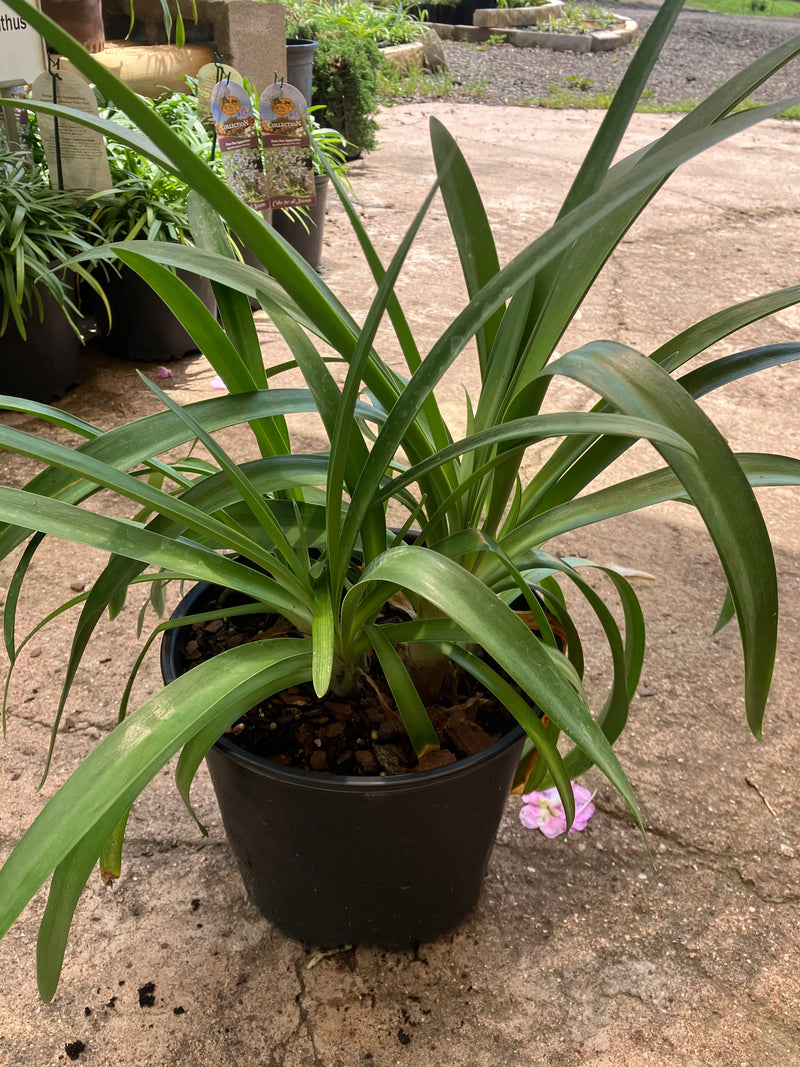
{"x":362,"y":735}
{"x":704,"y":49}
{"x":586,"y":951}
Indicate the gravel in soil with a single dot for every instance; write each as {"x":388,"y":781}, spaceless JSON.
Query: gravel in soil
{"x":704,"y":50}
{"x":364,"y":735}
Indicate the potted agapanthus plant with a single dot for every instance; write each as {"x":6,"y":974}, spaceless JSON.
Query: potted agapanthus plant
{"x":41,"y":228}
{"x":147,"y":203}
{"x":391,"y":629}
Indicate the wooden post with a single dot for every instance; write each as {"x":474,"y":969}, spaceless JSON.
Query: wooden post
{"x":10,"y":120}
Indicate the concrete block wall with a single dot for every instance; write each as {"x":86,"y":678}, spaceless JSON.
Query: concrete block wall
{"x":248,"y":34}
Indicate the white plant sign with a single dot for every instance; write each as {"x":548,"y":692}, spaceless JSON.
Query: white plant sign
{"x":22,"y":50}
{"x":77,"y":157}
{"x":207,"y":77}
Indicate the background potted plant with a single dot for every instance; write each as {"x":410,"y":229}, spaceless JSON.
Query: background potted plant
{"x":148,"y":203}
{"x":305,"y":536}
{"x":346,"y":64}
{"x":40,"y":317}
{"x":346,"y":86}
{"x":300,"y":64}
{"x":304,"y":228}
{"x":83,"y":20}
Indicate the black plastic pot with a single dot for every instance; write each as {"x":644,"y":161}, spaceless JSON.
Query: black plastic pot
{"x":346,"y":860}
{"x":300,"y":64}
{"x":467,"y":8}
{"x":459,"y":14}
{"x":44,"y":366}
{"x":143,"y":329}
{"x":306,"y":239}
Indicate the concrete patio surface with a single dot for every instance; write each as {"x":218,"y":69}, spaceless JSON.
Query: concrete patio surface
{"x":580,"y":952}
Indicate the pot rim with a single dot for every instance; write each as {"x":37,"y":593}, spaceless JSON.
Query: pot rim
{"x":366,"y":783}
{"x":317,"y":779}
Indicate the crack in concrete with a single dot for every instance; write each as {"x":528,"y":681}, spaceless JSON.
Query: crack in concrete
{"x":712,"y":859}
{"x":304,"y":1025}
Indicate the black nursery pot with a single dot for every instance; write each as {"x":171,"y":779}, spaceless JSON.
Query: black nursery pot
{"x":458,"y":14}
{"x":300,"y":64}
{"x":44,"y":365}
{"x":143,"y":329}
{"x":337,"y":861}
{"x":306,"y":239}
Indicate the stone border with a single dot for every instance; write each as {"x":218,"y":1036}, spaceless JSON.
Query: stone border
{"x":516,"y":16}
{"x":403,"y":56}
{"x":594,"y":41}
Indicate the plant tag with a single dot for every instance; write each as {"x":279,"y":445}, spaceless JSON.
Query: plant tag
{"x":235,"y":125}
{"x":207,"y":78}
{"x":288,"y":160}
{"x":22,"y":51}
{"x":76,"y":155}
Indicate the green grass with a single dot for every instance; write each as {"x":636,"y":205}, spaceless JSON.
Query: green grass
{"x":415,"y":82}
{"x":789,"y":113}
{"x":770,"y":8}
{"x":573,"y":91}
{"x":562,"y":96}
{"x":395,"y":84}
{"x":493,"y":39}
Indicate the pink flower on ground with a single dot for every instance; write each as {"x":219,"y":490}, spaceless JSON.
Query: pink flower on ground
{"x":164,"y":372}
{"x":217,"y":383}
{"x":544,"y":811}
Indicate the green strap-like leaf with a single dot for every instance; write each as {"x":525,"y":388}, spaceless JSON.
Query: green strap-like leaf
{"x":267,"y":474}
{"x":228,"y":361}
{"x":363,"y":518}
{"x":322,"y":635}
{"x":68,"y":882}
{"x":580,"y":460}
{"x":539,"y":428}
{"x":78,"y":820}
{"x":290,"y":669}
{"x":209,"y":232}
{"x":171,"y":507}
{"x":717,"y":487}
{"x":119,"y":535}
{"x":562,"y":291}
{"x":560,"y":236}
{"x":702,"y":335}
{"x":470,"y":228}
{"x":413,"y":712}
{"x":136,"y":442}
{"x":543,"y":737}
{"x":55,"y":416}
{"x":632,"y":494}
{"x":615,"y":122}
{"x":255,"y":500}
{"x":465,"y":599}
{"x":737,"y":366}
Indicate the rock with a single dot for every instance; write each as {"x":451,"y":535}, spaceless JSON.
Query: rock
{"x":433,"y":53}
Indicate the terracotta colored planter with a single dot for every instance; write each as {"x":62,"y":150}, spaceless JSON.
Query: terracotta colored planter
{"x":83,"y":19}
